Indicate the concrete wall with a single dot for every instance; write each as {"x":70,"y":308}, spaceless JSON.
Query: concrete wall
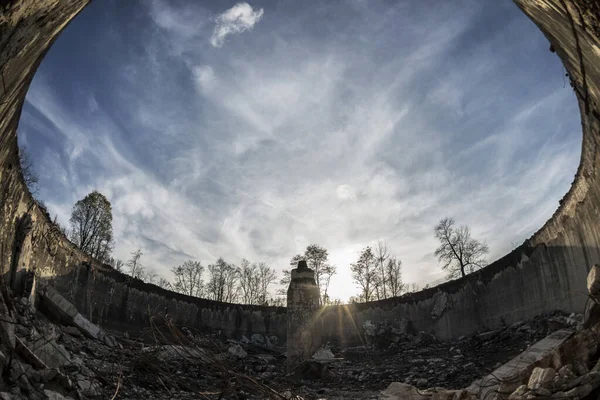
{"x":546,"y":273}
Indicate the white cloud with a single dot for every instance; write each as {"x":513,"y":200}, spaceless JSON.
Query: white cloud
{"x":237,"y":19}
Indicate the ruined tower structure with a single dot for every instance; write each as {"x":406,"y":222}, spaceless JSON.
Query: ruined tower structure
{"x":304,"y":329}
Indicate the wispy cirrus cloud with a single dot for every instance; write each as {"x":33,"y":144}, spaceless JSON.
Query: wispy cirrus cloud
{"x":335,"y":125}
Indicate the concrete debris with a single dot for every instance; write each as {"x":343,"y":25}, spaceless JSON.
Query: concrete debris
{"x":541,"y":378}
{"x":51,"y":353}
{"x":593,"y":282}
{"x":385,"y":334}
{"x":237,"y":351}
{"x":323,"y":354}
{"x":52,"y":395}
{"x":441,"y":301}
{"x":258,"y":339}
{"x":175,"y":352}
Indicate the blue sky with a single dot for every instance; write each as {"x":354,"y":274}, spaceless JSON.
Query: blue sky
{"x":253,"y":129}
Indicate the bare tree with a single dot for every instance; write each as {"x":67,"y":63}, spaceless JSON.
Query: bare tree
{"x":382,"y":254}
{"x":412,"y":288}
{"x":165,"y":284}
{"x":150,"y":275}
{"x":458,"y":252}
{"x":222,"y":283}
{"x":136,"y":269}
{"x":188,"y":278}
{"x":364,"y":273}
{"x":284,"y":281}
{"x":393,"y":277}
{"x":91,"y":226}
{"x":29,"y":175}
{"x":117,"y":264}
{"x":266,"y":276}
{"x":249,"y":282}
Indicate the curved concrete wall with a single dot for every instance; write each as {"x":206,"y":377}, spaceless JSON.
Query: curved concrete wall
{"x":546,"y":273}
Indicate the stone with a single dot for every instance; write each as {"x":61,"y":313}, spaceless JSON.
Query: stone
{"x":519,"y":393}
{"x":89,"y":388}
{"x":323,"y":354}
{"x":174,"y":352}
{"x":422,"y":383}
{"x":2,"y":362}
{"x":593,"y":282}
{"x":403,"y":391}
{"x":541,"y":378}
{"x":237,"y":351}
{"x":258,"y":339}
{"x":543,"y":392}
{"x":579,"y":391}
{"x":6,"y":396}
{"x":370,"y":328}
{"x":52,"y":354}
{"x":52,"y":395}
{"x":312,"y":369}
{"x":71,"y":330}
{"x":441,"y":301}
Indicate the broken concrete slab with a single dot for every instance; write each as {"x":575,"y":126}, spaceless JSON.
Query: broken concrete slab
{"x":506,"y":379}
{"x":55,"y":305}
{"x":541,"y":378}
{"x":323,"y":354}
{"x":52,"y":354}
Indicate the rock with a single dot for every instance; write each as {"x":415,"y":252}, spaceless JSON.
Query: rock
{"x":258,"y":339}
{"x":519,"y":393}
{"x":422,"y":383}
{"x":244,"y":339}
{"x":593,"y":378}
{"x":175,"y":352}
{"x":274,"y":340}
{"x":312,"y":369}
{"x":370,"y":328}
{"x":52,"y":354}
{"x":71,"y":330}
{"x":237,"y":351}
{"x":89,"y":388}
{"x":2,"y":363}
{"x":287,"y":394}
{"x":52,"y":395}
{"x":541,"y":378}
{"x":403,"y":391}
{"x":323,"y":354}
{"x":593,"y":282}
{"x":579,"y":391}
{"x":441,"y":301}
{"x":564,"y":375}
{"x":48,"y":374}
{"x":5,"y":396}
{"x":543,"y":392}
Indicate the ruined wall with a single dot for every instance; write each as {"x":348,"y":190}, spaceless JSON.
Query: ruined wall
{"x":546,"y":273}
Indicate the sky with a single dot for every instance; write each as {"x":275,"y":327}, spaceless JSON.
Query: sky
{"x":250,"y":130}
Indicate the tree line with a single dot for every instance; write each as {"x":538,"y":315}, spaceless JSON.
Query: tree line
{"x":377,"y":272}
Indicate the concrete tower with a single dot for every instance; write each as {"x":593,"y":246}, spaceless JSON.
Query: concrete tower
{"x":304,"y":329}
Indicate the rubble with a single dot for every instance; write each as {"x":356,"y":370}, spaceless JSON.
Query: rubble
{"x":68,"y":357}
